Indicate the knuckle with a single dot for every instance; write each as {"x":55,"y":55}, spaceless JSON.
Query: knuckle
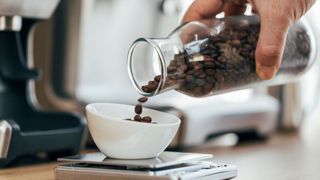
{"x":270,"y":55}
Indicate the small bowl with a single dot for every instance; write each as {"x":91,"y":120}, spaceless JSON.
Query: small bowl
{"x":125,"y":139}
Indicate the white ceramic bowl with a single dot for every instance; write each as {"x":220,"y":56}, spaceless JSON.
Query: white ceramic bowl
{"x":124,"y":139}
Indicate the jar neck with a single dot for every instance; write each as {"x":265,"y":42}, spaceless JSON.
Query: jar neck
{"x":148,"y":58}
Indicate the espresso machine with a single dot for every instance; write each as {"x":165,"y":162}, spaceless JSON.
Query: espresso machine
{"x":24,"y":128}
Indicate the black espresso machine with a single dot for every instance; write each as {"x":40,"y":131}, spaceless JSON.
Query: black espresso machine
{"x":24,"y":129}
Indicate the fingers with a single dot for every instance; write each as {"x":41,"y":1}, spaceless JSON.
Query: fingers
{"x":203,"y":9}
{"x":271,"y":42}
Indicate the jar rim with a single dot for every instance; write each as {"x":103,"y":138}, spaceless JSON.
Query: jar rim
{"x":162,"y":64}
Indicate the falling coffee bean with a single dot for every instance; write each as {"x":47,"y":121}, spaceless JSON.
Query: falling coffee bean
{"x":138,"y":109}
{"x":143,"y":99}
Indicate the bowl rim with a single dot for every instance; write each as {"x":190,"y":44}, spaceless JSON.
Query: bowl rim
{"x":116,"y":119}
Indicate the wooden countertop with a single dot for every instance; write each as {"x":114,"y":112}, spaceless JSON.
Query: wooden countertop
{"x":34,"y":172}
{"x":285,"y":156}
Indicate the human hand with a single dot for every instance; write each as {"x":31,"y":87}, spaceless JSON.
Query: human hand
{"x":276,"y":17}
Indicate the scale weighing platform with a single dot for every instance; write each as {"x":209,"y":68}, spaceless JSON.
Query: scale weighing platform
{"x":167,"y":166}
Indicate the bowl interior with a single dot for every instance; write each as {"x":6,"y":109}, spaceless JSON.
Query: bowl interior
{"x":121,"y":111}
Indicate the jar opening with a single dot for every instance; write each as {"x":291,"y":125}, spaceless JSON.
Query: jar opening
{"x":145,"y":62}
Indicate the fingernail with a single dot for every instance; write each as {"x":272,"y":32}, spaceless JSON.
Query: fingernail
{"x":267,"y":72}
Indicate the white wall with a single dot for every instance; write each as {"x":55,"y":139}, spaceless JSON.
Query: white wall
{"x":108,"y":27}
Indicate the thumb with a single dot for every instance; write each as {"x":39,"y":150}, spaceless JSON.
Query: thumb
{"x":271,"y":43}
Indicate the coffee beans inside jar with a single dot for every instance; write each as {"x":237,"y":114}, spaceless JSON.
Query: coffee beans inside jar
{"x":226,"y":60}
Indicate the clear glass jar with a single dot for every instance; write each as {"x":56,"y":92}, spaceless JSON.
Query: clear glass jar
{"x":203,"y":58}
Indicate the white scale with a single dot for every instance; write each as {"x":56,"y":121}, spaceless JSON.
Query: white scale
{"x":167,"y":166}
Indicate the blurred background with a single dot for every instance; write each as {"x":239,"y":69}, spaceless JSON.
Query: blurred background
{"x":82,"y":51}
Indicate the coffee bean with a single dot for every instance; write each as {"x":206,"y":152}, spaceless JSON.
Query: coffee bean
{"x":210,"y":79}
{"x":197,"y":66}
{"x":208,"y":58}
{"x":200,"y":82}
{"x":202,"y":75}
{"x":146,"y":88}
{"x":208,"y":86}
{"x":183,"y":68}
{"x":157,"y":78}
{"x":172,"y":69}
{"x":190,"y":78}
{"x":147,"y":119}
{"x":197,"y":90}
{"x":252,"y":38}
{"x":208,"y":64}
{"x":235,"y":42}
{"x":179,"y":57}
{"x":138,"y":109}
{"x":137,"y":118}
{"x":152,"y":85}
{"x":209,"y":72}
{"x":143,"y":99}
{"x":179,"y":76}
{"x":248,"y":47}
{"x":252,"y":55}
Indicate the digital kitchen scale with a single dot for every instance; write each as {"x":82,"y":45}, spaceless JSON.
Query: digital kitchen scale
{"x":167,"y":166}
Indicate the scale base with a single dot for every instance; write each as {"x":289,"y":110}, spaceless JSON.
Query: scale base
{"x":167,"y":166}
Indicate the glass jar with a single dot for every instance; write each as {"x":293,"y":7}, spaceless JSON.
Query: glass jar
{"x":207,"y":57}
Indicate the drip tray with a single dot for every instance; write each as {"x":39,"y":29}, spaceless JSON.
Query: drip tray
{"x":168,"y":165}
